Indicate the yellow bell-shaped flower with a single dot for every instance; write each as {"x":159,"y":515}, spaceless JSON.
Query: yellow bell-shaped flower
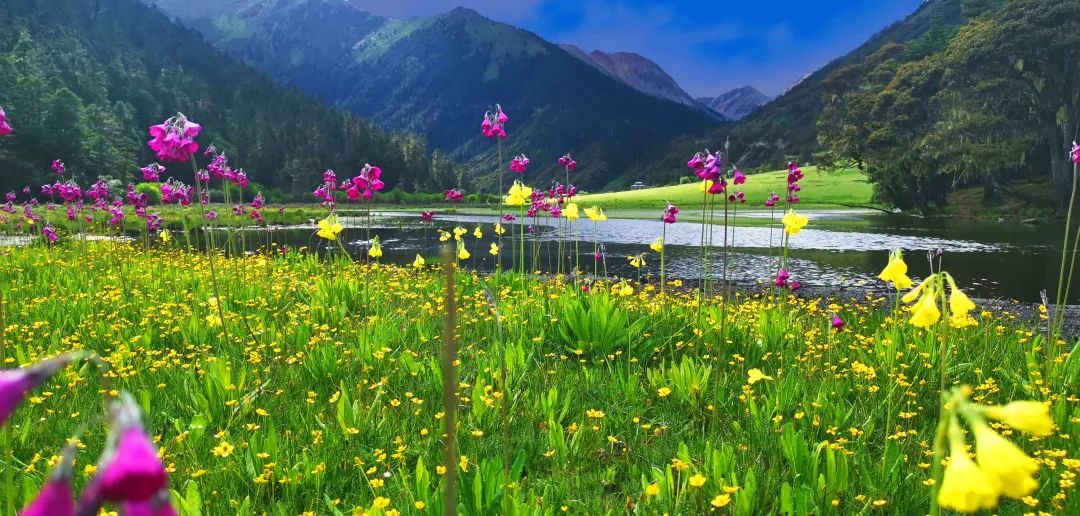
{"x":519,"y":195}
{"x":376,"y":249}
{"x":462,"y":253}
{"x":595,"y":214}
{"x":1013,"y":469}
{"x":494,"y":249}
{"x":419,"y":262}
{"x":965,"y":487}
{"x":657,"y":245}
{"x":330,"y":228}
{"x":571,"y":212}
{"x":793,"y":222}
{"x":926,"y":311}
{"x":1032,"y":417}
{"x":896,"y":271}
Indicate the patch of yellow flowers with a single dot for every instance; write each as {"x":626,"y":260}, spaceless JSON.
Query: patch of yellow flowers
{"x":926,"y":311}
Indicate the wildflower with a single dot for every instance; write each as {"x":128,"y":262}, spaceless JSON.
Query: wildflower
{"x":48,"y":232}
{"x":571,"y":212}
{"x":151,"y":172}
{"x":663,"y":392}
{"x":366,"y":184}
{"x":419,"y":262}
{"x":793,"y":222}
{"x":499,"y":228}
{"x":838,"y":323}
{"x":772,"y":200}
{"x":330,"y":228}
{"x":459,"y":232}
{"x":159,"y":505}
{"x":739,"y":178}
{"x":652,"y":489}
{"x":462,"y":253}
{"x":478,"y":233}
{"x":427,"y":216}
{"x":519,"y":195}
{"x":453,"y":195}
{"x":376,"y":249}
{"x":670,"y":213}
{"x":595,"y":214}
{"x":5,"y":128}
{"x":165,"y":236}
{"x":637,"y":261}
{"x":1075,"y":151}
{"x":755,"y":375}
{"x":960,"y":305}
{"x":657,"y":245}
{"x":697,"y":480}
{"x":625,"y":290}
{"x":896,"y":271}
{"x":782,"y":277}
{"x":721,"y":500}
{"x":55,"y":498}
{"x":567,"y":162}
{"x":16,"y":383}
{"x":1006,"y":464}
{"x":1032,"y":417}
{"x":129,"y":469}
{"x":174,"y":139}
{"x":223,"y":449}
{"x":381,"y":502}
{"x":464,"y":462}
{"x":519,"y":163}
{"x":59,"y":168}
{"x":925,"y":312}
{"x":494,"y":251}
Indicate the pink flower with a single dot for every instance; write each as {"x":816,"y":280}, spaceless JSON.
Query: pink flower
{"x":740,"y":178}
{"x":795,"y":286}
{"x":519,"y":163}
{"x":453,"y":195}
{"x":485,"y":128}
{"x":670,"y":213}
{"x":5,"y":129}
{"x":773,"y":199}
{"x":174,"y":139}
{"x":837,"y":323}
{"x":567,"y":162}
{"x":55,"y":497}
{"x":501,"y":117}
{"x":130,"y":469}
{"x":16,"y":383}
{"x":159,"y":505}
{"x":782,"y":277}
{"x":1076,"y":153}
{"x":49,"y":233}
{"x":58,"y":167}
{"x":696,"y":162}
{"x":718,"y":187}
{"x":427,"y":216}
{"x":494,"y":124}
{"x":151,"y":172}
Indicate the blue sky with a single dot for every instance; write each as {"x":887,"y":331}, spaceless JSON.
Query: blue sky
{"x":709,"y":47}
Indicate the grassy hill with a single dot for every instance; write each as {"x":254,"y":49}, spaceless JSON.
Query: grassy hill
{"x":846,"y":187}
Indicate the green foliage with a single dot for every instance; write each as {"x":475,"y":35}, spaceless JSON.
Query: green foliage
{"x":152,"y":191}
{"x":595,"y":325}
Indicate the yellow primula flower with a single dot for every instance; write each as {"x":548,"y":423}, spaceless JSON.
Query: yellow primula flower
{"x":571,"y":212}
{"x":793,"y":222}
{"x":705,"y":185}
{"x":926,"y":311}
{"x":519,"y":195}
{"x":376,"y":249}
{"x":965,"y":487}
{"x":477,"y":233}
{"x":462,"y":253}
{"x":652,"y":490}
{"x":459,"y":232}
{"x":657,"y":245}
{"x":443,"y":236}
{"x":896,"y":271}
{"x":165,"y":236}
{"x":637,"y":261}
{"x":1032,"y":417}
{"x":595,"y":214}
{"x":419,"y":262}
{"x":494,"y":249}
{"x":330,"y":228}
{"x":499,"y":228}
{"x":1009,"y":466}
{"x":755,"y":375}
{"x":624,"y":289}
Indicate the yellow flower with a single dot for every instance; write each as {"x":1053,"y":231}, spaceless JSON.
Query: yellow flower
{"x":381,"y":502}
{"x":965,"y":487}
{"x":419,"y":262}
{"x":793,"y":222}
{"x":697,"y":480}
{"x":165,"y":236}
{"x":755,"y":375}
{"x":664,"y":392}
{"x":721,"y":500}
{"x":213,"y":320}
{"x":624,"y":289}
{"x":652,"y":490}
{"x":223,"y":450}
{"x":637,"y":261}
{"x":519,"y":195}
{"x":1032,"y":417}
{"x":959,"y":304}
{"x":595,"y":214}
{"x":926,"y":312}
{"x":329,"y":228}
{"x":420,"y":505}
{"x":914,"y":293}
{"x":376,"y":249}
{"x":494,"y":249}
{"x":464,"y":462}
{"x":477,"y":233}
{"x":705,"y":185}
{"x":499,"y":229}
{"x":462,"y":253}
{"x":443,"y":236}
{"x":459,"y":232}
{"x":896,"y":271}
{"x":571,"y":212}
{"x":657,"y":245}
{"x":1004,"y":462}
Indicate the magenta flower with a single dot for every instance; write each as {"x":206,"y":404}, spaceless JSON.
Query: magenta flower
{"x":719,"y":186}
{"x":427,"y":216}
{"x":837,"y":323}
{"x":670,"y":213}
{"x":58,"y":167}
{"x":494,"y":123}
{"x":795,"y":286}
{"x":129,"y":469}
{"x":159,"y":505}
{"x":696,"y":162}
{"x":1076,"y":153}
{"x":258,"y":202}
{"x":49,"y":233}
{"x":5,"y":128}
{"x":365,"y":185}
{"x":153,"y":222}
{"x":175,"y":192}
{"x":740,"y":178}
{"x":782,"y":277}
{"x":16,"y":383}
{"x":174,"y":139}
{"x":453,"y":195}
{"x":55,"y":497}
{"x":151,"y":172}
{"x":773,"y":199}
{"x":567,"y":162}
{"x":508,"y":217}
{"x":519,"y":163}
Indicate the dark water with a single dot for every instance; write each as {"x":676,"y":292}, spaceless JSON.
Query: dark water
{"x":991,"y":260}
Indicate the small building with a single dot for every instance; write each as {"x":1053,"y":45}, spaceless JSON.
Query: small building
{"x":638,"y":186}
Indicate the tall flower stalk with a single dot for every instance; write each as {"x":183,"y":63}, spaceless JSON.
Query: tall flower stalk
{"x":1061,"y":298}
{"x":494,"y":127}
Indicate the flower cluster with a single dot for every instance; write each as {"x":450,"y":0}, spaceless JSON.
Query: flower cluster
{"x":896,"y":271}
{"x":519,"y":163}
{"x":1075,"y":154}
{"x":494,"y":124}
{"x":783,"y":278}
{"x":365,"y":185}
{"x":793,"y":222}
{"x":794,"y":176}
{"x":152,"y":172}
{"x":707,"y":166}
{"x":58,"y":167}
{"x":325,"y":191}
{"x":670,"y":213}
{"x":925,"y":311}
{"x":567,"y":162}
{"x":453,"y":195}
{"x":595,"y":214}
{"x":5,"y":128}
{"x":519,"y":195}
{"x":175,"y":192}
{"x":1000,"y":467}
{"x":772,"y":200}
{"x":174,"y":139}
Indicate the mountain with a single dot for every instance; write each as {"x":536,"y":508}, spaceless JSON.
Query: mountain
{"x":438,"y":75}
{"x":737,"y":103}
{"x":786,"y":128}
{"x":82,"y":80}
{"x":638,"y":72}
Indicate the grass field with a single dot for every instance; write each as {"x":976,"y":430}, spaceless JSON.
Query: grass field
{"x":321,"y":393}
{"x":819,"y":190}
